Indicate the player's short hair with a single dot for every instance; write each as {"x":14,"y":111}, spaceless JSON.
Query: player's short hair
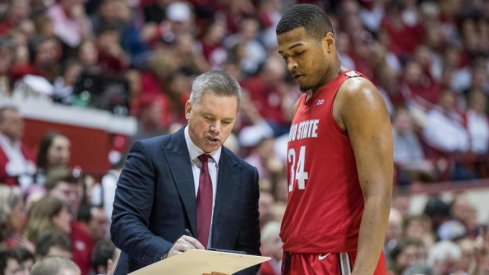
{"x":218,"y":82}
{"x":312,"y":18}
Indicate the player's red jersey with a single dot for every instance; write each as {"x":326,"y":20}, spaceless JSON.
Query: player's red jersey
{"x":325,"y":203}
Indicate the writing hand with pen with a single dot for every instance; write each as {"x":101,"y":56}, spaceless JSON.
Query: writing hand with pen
{"x":184,"y":243}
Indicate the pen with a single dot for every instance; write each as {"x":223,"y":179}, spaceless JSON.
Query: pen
{"x":188,"y":233}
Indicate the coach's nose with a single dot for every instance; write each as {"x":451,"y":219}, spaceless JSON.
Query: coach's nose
{"x":215,"y":127}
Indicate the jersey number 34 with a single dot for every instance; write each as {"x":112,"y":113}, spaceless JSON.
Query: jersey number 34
{"x":296,"y":165}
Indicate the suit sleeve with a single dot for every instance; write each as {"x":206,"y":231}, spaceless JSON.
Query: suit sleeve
{"x":132,"y":209}
{"x":249,"y":237}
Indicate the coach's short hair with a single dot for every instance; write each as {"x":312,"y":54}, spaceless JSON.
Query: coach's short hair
{"x":220,"y":83}
{"x":312,"y":18}
{"x":55,"y":266}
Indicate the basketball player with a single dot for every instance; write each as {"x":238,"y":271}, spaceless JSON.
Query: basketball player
{"x":339,"y":158}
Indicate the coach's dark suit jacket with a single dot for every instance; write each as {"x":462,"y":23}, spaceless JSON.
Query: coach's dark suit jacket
{"x":155,"y":202}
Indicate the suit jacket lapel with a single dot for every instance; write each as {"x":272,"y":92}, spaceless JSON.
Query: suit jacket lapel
{"x":227,"y":182}
{"x":181,"y":169}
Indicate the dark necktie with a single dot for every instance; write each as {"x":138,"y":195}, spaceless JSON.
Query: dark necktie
{"x":204,"y":202}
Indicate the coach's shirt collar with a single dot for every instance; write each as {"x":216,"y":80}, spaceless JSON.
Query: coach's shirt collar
{"x":195,"y":151}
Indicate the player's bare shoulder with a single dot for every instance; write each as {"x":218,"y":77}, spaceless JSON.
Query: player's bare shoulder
{"x":356,"y":86}
{"x":356,"y":97}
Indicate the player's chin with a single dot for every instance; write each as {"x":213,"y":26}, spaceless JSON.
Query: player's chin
{"x":303,"y":85}
{"x":304,"y":88}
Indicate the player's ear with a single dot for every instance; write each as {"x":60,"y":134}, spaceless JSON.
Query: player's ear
{"x":329,"y":42}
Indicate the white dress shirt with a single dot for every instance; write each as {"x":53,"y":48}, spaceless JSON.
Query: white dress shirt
{"x":194,"y":153}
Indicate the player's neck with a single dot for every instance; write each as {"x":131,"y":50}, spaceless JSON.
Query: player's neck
{"x":327,"y":79}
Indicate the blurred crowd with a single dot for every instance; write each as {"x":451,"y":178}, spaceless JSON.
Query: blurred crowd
{"x":428,"y":58}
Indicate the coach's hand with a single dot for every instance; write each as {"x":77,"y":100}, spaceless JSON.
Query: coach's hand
{"x":183,"y":244}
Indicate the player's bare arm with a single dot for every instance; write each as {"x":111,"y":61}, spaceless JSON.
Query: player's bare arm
{"x":360,"y":110}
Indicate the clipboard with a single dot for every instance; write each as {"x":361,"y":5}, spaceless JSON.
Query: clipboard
{"x":199,"y":261}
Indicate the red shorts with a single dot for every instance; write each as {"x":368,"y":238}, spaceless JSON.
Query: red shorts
{"x":326,"y":264}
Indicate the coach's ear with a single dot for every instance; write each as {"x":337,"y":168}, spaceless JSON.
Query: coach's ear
{"x":188,"y":109}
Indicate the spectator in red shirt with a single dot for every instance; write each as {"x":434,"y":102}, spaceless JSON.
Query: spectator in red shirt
{"x":98,"y":225}
{"x":16,"y":159}
{"x":111,"y":56}
{"x":418,"y":86}
{"x":17,"y":15}
{"x":212,"y":47}
{"x":150,"y":113}
{"x":404,"y":29}
{"x":266,"y":91}
{"x":45,"y":54}
{"x":62,"y":184}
